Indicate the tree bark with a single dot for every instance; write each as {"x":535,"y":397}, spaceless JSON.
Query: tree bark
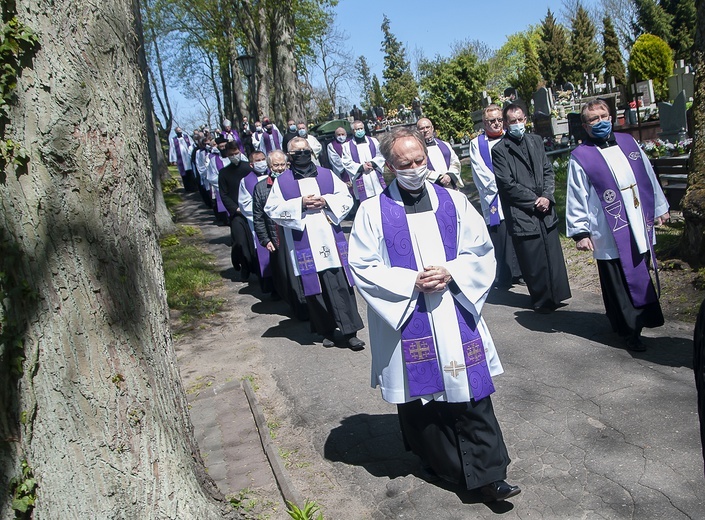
{"x":288,"y":102}
{"x":693,"y":204}
{"x":99,"y":412}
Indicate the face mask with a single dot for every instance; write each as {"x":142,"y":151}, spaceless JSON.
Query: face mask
{"x":302,"y":132}
{"x":300,"y":158}
{"x":601,"y":130}
{"x":269,"y":129}
{"x":292,"y":128}
{"x":223,"y":153}
{"x":341,"y":138}
{"x":413,"y":178}
{"x":258,"y":129}
{"x":178,"y":134}
{"x":275,"y":174}
{"x":359,"y":134}
{"x":517,"y":130}
{"x":260,"y":166}
{"x":234,"y":159}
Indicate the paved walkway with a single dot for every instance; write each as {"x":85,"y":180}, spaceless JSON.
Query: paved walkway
{"x":594,"y":431}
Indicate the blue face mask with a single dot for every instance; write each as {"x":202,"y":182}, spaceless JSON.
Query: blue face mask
{"x":292,"y":128}
{"x":601,"y":130}
{"x":302,"y":132}
{"x":359,"y":134}
{"x":517,"y":130}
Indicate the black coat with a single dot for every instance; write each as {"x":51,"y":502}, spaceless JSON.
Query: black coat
{"x":265,"y":227}
{"x":521,"y":182}
{"x":229,"y":184}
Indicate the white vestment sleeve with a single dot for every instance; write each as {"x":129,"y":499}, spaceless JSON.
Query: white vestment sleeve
{"x":379,"y":159}
{"x":244,"y":201}
{"x":577,"y":207}
{"x":352,"y":167}
{"x":172,"y":151}
{"x":340,"y":202}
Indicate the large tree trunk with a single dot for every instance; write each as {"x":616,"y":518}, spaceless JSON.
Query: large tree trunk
{"x":693,"y":204}
{"x":99,"y":412}
{"x":288,"y":102}
{"x":252,"y":17}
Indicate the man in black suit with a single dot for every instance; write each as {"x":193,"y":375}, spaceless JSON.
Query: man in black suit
{"x":526,"y":182}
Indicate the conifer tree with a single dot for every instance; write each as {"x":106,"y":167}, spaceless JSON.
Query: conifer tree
{"x":652,"y":18}
{"x":530,"y":76}
{"x":682,"y":27}
{"x":611,"y":55}
{"x":365,"y":81}
{"x":584,"y":50}
{"x":552,"y":51}
{"x":399,"y":84}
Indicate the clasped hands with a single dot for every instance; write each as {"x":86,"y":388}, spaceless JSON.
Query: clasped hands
{"x":542,"y":204}
{"x":313,"y":202}
{"x":432,"y":279}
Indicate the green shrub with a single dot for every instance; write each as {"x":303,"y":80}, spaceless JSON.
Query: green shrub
{"x":651,"y":58}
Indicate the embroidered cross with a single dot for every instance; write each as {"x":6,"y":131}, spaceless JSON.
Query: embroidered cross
{"x":473,"y":353}
{"x":285,"y":215}
{"x":493,"y":209}
{"x":419,"y":349}
{"x":325,"y":251}
{"x":454,"y":368}
{"x":306,"y":261}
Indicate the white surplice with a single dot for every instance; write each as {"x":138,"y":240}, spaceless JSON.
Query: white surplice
{"x":391,"y":296}
{"x":290,"y":215}
{"x":484,"y":178}
{"x":371,"y":178}
{"x":244,"y":202}
{"x":438,"y":161}
{"x":584,"y":212}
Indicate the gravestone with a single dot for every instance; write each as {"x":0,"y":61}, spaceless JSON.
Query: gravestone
{"x":486,"y":100}
{"x":543,"y":102}
{"x":673,"y":118}
{"x":683,"y":79}
{"x":647,"y":92}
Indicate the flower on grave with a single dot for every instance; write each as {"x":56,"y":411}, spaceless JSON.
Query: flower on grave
{"x":632,"y":104}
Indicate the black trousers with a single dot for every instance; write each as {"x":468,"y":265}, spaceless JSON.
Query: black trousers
{"x":461,"y":442}
{"x":626,"y":320}
{"x":336,"y":306}
{"x":507,"y":263}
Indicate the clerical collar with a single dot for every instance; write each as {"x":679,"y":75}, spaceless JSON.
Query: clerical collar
{"x":306,"y":171}
{"x":432,"y":142}
{"x":603,"y":143}
{"x":415,"y":202}
{"x":360,"y":139}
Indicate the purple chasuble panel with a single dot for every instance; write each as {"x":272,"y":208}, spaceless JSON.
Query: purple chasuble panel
{"x":634,"y":265}
{"x":484,"y":146}
{"x":302,"y":245}
{"x":423,"y":370}
{"x":360,"y":182}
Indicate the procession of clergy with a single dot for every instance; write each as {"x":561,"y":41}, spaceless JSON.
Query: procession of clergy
{"x":425,"y":260}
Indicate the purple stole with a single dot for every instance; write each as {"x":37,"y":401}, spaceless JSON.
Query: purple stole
{"x":269,"y":139}
{"x":484,"y":146}
{"x":636,"y":271}
{"x":235,"y":137}
{"x":304,"y":256}
{"x":360,"y":182}
{"x":179,"y":158}
{"x":218,"y":201}
{"x":423,"y":372}
{"x":265,"y":271}
{"x":444,"y":150}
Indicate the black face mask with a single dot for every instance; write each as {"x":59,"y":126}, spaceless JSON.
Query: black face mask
{"x":179,"y":134}
{"x":300,"y":158}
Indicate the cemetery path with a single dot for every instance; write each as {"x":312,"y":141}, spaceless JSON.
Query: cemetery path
{"x":594,"y":431}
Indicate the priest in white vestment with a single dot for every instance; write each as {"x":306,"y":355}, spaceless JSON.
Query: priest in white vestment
{"x":443,"y":164}
{"x":364,"y":163}
{"x":423,"y":261}
{"x":309,"y":202}
{"x":508,"y":271}
{"x":612,"y":204}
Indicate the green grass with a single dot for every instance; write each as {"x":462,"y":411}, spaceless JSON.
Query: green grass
{"x":190,"y":273}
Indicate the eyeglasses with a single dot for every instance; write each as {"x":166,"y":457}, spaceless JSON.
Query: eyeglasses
{"x":495,"y":120}
{"x":595,"y":119}
{"x":300,"y":153}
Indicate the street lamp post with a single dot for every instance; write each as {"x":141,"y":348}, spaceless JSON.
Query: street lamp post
{"x":247,"y":64}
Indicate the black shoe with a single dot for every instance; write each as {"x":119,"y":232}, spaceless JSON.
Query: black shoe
{"x":328,"y":341}
{"x":499,"y":490}
{"x":356,"y":344}
{"x":635,"y":345}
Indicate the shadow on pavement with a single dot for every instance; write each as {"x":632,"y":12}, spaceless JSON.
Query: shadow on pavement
{"x":508,"y":298}
{"x":375,"y":443}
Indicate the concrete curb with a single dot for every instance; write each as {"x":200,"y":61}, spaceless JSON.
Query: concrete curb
{"x":288,"y":491}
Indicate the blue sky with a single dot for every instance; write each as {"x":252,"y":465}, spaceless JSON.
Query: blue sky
{"x":433,"y":25}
